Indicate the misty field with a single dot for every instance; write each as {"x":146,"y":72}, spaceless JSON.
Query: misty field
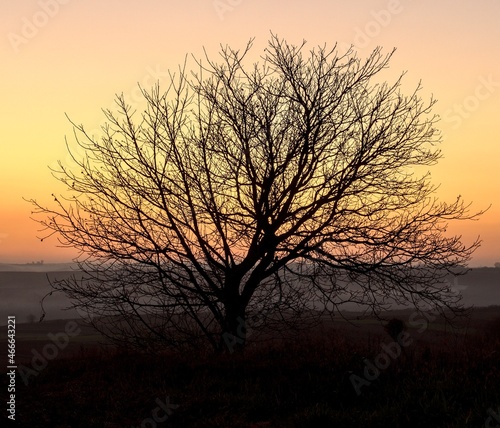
{"x":21,"y":291}
{"x":340,"y":374}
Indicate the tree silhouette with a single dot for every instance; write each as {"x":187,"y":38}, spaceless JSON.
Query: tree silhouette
{"x":273,"y":191}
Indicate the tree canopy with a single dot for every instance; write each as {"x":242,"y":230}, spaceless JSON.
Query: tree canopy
{"x":279,"y":190}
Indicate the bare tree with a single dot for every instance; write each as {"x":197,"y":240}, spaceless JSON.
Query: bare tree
{"x":272,"y":191}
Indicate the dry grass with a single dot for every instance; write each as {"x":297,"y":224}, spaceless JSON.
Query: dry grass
{"x":442,"y":379}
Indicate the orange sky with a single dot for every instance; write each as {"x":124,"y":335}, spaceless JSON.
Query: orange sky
{"x":68,"y":56}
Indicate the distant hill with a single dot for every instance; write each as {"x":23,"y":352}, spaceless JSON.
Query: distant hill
{"x":37,"y":267}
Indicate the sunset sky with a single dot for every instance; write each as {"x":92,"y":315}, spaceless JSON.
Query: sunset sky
{"x":71,"y":57}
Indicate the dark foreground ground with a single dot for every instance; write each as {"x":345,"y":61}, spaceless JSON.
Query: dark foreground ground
{"x":338,"y":375}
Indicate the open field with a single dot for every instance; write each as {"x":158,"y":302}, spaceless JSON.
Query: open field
{"x":446,"y":377}
{"x":22,"y":290}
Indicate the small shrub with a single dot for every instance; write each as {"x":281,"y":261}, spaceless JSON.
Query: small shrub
{"x":394,"y":328}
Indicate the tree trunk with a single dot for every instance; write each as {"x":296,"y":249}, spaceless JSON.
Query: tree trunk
{"x":233,"y":338}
